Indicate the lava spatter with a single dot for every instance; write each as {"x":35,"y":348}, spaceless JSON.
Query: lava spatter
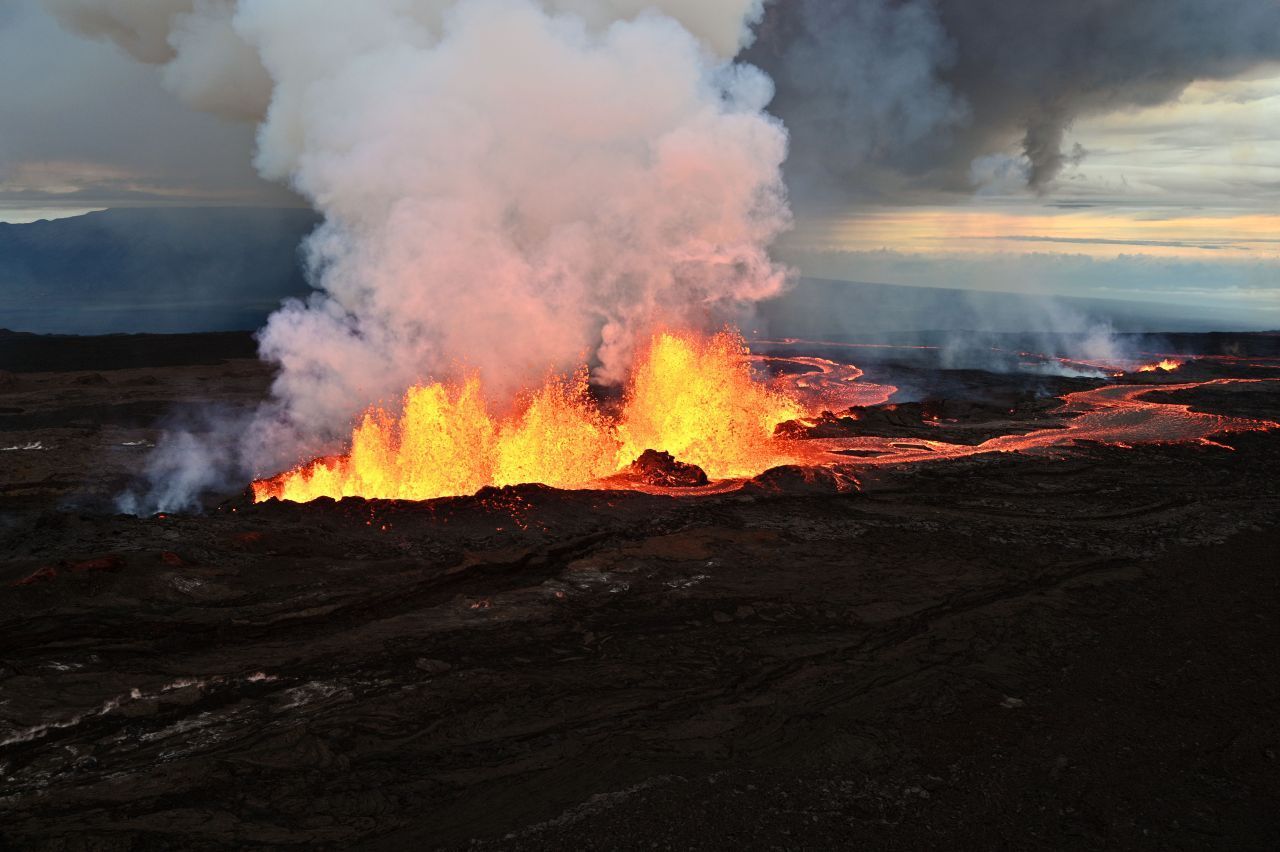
{"x":1166,"y":365}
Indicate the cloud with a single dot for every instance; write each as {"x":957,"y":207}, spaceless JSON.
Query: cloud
{"x":86,"y":118}
{"x":885,"y":94}
{"x":902,"y":100}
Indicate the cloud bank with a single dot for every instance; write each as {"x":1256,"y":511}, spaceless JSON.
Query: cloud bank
{"x":887,"y":97}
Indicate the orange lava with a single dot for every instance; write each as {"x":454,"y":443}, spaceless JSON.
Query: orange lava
{"x":691,"y":396}
{"x":1116,"y":415}
{"x":697,"y":398}
{"x":1167,"y":365}
{"x":825,"y":385}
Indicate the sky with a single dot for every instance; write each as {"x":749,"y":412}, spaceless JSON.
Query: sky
{"x":84,"y":127}
{"x":1176,"y":202}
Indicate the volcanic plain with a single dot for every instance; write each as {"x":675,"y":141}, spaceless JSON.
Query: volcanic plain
{"x":1065,"y":645}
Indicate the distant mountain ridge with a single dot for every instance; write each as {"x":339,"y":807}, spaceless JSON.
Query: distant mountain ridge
{"x":182,"y":270}
{"x":830,"y":309}
{"x":151,"y":270}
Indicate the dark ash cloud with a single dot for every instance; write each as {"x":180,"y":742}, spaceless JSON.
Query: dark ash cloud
{"x":886,"y":96}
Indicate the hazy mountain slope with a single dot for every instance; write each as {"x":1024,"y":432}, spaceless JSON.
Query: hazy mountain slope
{"x":220,"y":269}
{"x":156,"y":270}
{"x":823,"y":308}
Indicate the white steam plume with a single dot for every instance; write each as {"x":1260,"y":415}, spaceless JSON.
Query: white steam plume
{"x":507,"y":185}
{"x":517,"y":194}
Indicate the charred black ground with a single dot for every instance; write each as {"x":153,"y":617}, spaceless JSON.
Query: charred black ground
{"x":1002,"y":650}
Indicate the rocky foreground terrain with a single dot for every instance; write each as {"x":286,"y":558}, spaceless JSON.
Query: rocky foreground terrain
{"x":1068,"y":649}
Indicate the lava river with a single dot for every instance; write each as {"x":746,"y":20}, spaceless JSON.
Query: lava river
{"x":1113,"y":414}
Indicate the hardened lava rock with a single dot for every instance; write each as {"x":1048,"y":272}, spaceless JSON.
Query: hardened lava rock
{"x":661,"y":468}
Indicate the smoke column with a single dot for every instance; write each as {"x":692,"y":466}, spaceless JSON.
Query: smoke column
{"x":517,"y":194}
{"x":516,"y":185}
{"x":508,"y":185}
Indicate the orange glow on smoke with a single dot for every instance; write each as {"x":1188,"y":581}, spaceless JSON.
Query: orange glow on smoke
{"x":1168,"y":365}
{"x":691,"y":396}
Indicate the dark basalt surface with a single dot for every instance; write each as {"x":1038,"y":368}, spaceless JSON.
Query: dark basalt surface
{"x":661,"y":468}
{"x":1000,"y":651}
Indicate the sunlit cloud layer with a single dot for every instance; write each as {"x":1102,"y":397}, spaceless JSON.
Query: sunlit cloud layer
{"x":1176,"y":204}
{"x":1097,"y":232}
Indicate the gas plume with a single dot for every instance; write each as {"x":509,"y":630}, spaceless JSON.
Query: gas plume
{"x":508,"y":186}
{"x":516,"y":194}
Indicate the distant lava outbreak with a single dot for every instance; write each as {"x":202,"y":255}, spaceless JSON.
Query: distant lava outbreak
{"x":1167,"y":365}
{"x":693,"y":397}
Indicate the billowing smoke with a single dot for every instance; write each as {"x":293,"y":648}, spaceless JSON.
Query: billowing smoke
{"x":883,"y":97}
{"x":517,"y":185}
{"x":511,"y":186}
{"x":204,"y":60}
{"x":516,"y":194}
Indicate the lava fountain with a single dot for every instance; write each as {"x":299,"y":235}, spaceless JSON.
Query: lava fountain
{"x":698,"y":399}
{"x":692,"y":396}
{"x":1165,"y":365}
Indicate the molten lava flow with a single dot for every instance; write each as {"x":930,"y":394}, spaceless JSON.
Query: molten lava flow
{"x":1116,"y":415}
{"x":690,"y":396}
{"x":1168,"y":365}
{"x":825,"y":385}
